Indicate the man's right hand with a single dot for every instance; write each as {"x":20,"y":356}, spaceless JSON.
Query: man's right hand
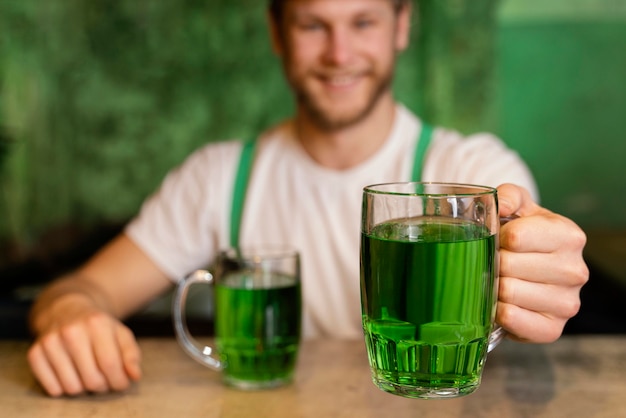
{"x":89,"y":352}
{"x":81,"y":344}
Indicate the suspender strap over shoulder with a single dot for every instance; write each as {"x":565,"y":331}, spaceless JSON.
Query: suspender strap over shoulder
{"x":239,"y":190}
{"x":426,"y":135}
{"x":245,"y":167}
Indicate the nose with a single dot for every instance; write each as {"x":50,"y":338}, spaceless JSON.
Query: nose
{"x":339,"y":47}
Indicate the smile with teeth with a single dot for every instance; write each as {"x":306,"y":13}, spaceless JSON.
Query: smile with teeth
{"x":341,"y":80}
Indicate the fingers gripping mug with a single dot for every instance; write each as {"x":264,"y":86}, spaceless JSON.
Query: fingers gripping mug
{"x":429,"y":281}
{"x":258,"y":306}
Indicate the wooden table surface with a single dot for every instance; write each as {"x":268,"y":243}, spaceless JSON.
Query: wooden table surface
{"x":578,"y":376}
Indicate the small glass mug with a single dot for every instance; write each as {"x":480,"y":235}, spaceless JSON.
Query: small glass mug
{"x":258,"y":310}
{"x":429,"y":285}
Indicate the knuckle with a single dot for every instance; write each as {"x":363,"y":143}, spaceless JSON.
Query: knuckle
{"x":125,"y":333}
{"x":505,"y":316}
{"x":579,"y":238}
{"x":48,"y":340}
{"x":70,"y":332}
{"x":553,"y":333}
{"x":506,"y":290}
{"x":513,"y":236}
{"x":505,"y":263}
{"x":578,"y":274}
{"x":582,"y":274}
{"x":98,"y":320}
{"x":576,"y":237}
{"x":571,"y":308}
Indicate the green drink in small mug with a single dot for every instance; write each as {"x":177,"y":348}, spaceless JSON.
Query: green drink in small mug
{"x":258,"y":311}
{"x":428,"y":286}
{"x":257,"y":327}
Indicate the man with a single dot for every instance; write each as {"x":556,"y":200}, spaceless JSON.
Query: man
{"x":305,"y":190}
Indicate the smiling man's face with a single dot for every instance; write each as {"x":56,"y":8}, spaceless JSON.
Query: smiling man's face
{"x":339,"y":56}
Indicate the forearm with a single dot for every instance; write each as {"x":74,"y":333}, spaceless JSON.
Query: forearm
{"x":119,"y":280}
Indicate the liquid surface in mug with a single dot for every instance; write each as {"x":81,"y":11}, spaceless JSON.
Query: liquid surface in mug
{"x":257,"y":325}
{"x":428,"y":296}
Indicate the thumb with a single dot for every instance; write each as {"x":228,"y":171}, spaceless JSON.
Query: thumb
{"x":131,"y":354}
{"x":515,"y":200}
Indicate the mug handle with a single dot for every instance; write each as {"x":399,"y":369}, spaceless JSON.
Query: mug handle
{"x":498,"y":334}
{"x":496,"y":337}
{"x":202,"y":355}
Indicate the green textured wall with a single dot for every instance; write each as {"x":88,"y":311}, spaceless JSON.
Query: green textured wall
{"x":562,"y":102}
{"x":98,"y":99}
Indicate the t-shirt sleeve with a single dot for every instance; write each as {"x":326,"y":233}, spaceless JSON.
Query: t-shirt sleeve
{"x":183,"y":223}
{"x":477,"y":159}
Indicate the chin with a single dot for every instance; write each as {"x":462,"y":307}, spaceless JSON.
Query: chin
{"x":335,"y":123}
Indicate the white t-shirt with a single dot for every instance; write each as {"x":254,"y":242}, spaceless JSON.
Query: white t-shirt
{"x":293,"y":200}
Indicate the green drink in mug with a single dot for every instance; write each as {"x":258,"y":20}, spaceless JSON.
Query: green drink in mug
{"x":258,"y":309}
{"x":429,"y":276}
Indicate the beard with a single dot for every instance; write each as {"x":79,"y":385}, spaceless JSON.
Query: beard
{"x":330,"y":120}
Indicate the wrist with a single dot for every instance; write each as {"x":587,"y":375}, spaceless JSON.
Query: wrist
{"x":50,"y":313}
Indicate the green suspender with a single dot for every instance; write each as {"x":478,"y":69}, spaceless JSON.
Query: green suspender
{"x":420,"y":151}
{"x":239,"y":191}
{"x":245,"y":167}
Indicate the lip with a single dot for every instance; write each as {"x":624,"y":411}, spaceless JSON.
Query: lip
{"x":340,"y":82}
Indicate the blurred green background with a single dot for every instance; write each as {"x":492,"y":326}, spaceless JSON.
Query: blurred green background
{"x":100,"y":98}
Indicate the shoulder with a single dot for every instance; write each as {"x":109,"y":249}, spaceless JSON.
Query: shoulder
{"x":483,"y":143}
{"x":222,"y":155}
{"x":480,"y":158}
{"x":218,"y":152}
